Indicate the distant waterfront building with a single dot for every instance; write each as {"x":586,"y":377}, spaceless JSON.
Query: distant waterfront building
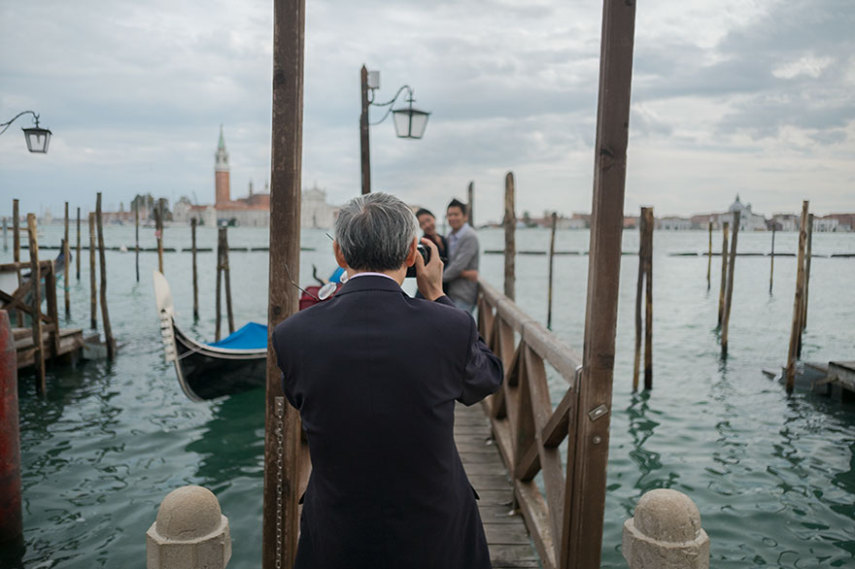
{"x":315,"y":212}
{"x":673,"y":223}
{"x":748,"y":221}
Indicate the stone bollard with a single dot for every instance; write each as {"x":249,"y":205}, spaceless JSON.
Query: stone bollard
{"x":190,"y":532}
{"x":666,"y":533}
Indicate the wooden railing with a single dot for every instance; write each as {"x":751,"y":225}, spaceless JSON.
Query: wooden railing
{"x":526,"y":428}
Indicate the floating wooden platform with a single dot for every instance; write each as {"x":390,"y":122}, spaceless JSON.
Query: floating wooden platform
{"x":509,"y":542}
{"x":70,"y":345}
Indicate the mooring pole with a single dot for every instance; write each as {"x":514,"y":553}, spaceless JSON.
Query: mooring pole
{"x":798,"y":301}
{"x":66,"y":252}
{"x":510,"y":223}
{"x":102,"y":261}
{"x":218,"y":287}
{"x":77,"y":259}
{"x":11,"y":520}
{"x":808,"y":257}
{"x":585,"y":493}
{"x":158,"y":232}
{"x":470,"y":194}
{"x":772,"y":260}
{"x":286,"y":460}
{"x":364,"y":135}
{"x":224,"y":264}
{"x":709,"y":257}
{"x":195,"y":272}
{"x":551,"y":263}
{"x":137,"y":238}
{"x":639,"y":295}
{"x":16,"y":252}
{"x":723,"y":288}
{"x":649,"y":224}
{"x":93,"y":284}
{"x":725,"y":325}
{"x":5,"y":234}
{"x":35,"y":280}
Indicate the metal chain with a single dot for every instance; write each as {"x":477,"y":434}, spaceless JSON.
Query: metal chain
{"x":280,"y":414}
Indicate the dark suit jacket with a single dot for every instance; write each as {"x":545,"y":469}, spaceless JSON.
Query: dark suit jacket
{"x":375,"y":375}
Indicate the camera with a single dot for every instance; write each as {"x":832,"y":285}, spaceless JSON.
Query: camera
{"x":425,"y":253}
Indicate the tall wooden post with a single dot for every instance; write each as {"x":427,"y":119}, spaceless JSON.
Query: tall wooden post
{"x":808,"y":257}
{"x":36,"y":279}
{"x":723,"y":289}
{"x":639,"y":295}
{"x":5,"y":234}
{"x":218,"y":287}
{"x":137,"y":237}
{"x":364,"y":142}
{"x":93,"y":284}
{"x":510,"y":223}
{"x":66,"y":251}
{"x":195,"y":272}
{"x":77,"y":258}
{"x":470,"y":195}
{"x":158,"y":232}
{"x":729,"y":297}
{"x":772,"y":260}
{"x":796,"y":331}
{"x":286,"y":462}
{"x":228,"y":279}
{"x":16,"y":252}
{"x":648,"y":298}
{"x":105,"y":315}
{"x":588,"y":447}
{"x":551,"y":264}
{"x":709,"y":258}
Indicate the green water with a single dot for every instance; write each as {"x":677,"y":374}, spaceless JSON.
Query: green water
{"x":773,"y":476}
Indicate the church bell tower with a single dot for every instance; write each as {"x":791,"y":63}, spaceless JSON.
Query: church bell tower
{"x":221,"y":173}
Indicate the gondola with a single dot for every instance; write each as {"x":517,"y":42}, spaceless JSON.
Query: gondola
{"x":234,"y":364}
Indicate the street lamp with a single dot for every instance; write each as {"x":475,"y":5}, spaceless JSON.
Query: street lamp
{"x":37,"y":138}
{"x":409,"y":122}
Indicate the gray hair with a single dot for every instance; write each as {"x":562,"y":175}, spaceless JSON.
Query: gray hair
{"x":374,"y":232}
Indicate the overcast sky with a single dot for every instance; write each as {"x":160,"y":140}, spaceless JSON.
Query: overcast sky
{"x":729,"y":96}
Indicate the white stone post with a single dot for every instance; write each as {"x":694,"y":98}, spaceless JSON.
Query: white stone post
{"x":190,"y":532}
{"x":666,"y":533}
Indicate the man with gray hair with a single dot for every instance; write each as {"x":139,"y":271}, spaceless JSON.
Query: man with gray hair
{"x":375,"y":376}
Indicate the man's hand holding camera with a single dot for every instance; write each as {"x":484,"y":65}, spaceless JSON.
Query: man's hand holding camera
{"x":429,"y":276}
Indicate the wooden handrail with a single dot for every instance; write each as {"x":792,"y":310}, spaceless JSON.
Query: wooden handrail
{"x":527,"y":430}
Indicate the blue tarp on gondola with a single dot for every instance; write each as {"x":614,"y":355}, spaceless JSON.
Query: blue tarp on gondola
{"x":252,"y":336}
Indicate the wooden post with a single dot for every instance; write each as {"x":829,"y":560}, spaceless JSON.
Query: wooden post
{"x":158,"y":232}
{"x":648,"y":298}
{"x":588,"y":446}
{"x":66,"y":251}
{"x":723,"y":288}
{"x":808,"y":257}
{"x":551,"y":263}
{"x":16,"y":252}
{"x":5,"y":234}
{"x":709,"y":258}
{"x":364,"y":140}
{"x":36,"y":279}
{"x":223,"y":268}
{"x":639,"y":292}
{"x":49,"y":277}
{"x":105,"y":316}
{"x":470,"y":192}
{"x":285,"y":461}
{"x":195,"y":273}
{"x":796,"y":330}
{"x":137,"y":237}
{"x":772,"y":260}
{"x":77,"y":258}
{"x":218,"y":286}
{"x":93,"y":285}
{"x":729,"y":297}
{"x":510,"y":223}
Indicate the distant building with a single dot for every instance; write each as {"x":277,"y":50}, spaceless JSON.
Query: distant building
{"x":673,"y":223}
{"x":785,"y":222}
{"x":748,"y":221}
{"x":315,"y":212}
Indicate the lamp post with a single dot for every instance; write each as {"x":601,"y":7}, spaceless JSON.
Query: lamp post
{"x":409,"y":122}
{"x":37,"y":138}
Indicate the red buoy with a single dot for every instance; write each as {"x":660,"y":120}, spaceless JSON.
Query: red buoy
{"x":10,"y":441}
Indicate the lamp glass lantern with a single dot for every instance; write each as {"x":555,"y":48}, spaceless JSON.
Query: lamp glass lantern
{"x":37,"y":138}
{"x":410,"y":122}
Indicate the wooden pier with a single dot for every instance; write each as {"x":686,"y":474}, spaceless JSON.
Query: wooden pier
{"x":69,"y":345}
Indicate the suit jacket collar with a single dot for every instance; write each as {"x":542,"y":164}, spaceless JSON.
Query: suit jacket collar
{"x":370,"y":283}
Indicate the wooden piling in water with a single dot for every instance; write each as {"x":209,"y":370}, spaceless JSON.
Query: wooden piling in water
{"x":723,"y":288}
{"x":639,"y":292}
{"x":195,"y":273}
{"x":158,"y":232}
{"x":470,"y":194}
{"x":5,"y":234}
{"x":510,"y":223}
{"x":808,"y":257}
{"x":286,"y":460}
{"x":66,"y":251}
{"x":218,"y":286}
{"x":772,"y":260}
{"x":137,"y":238}
{"x":77,"y":257}
{"x":105,"y":315}
{"x":729,"y":296}
{"x":93,"y":285}
{"x":227,"y":278}
{"x":644,"y":292}
{"x":35,"y":279}
{"x":796,"y":330}
{"x":551,"y":263}
{"x":16,"y":253}
{"x":709,"y":258}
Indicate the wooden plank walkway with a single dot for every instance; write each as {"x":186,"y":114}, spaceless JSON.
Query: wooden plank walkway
{"x":509,"y":542}
{"x":70,"y":344}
